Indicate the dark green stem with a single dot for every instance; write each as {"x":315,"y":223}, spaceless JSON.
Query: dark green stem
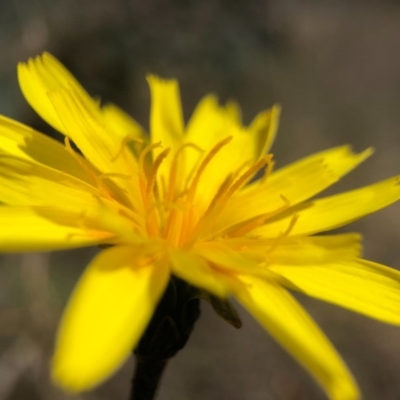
{"x":167,"y":333}
{"x":146,"y":379}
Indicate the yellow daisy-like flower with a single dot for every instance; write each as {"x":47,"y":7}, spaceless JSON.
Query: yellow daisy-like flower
{"x":183,"y":201}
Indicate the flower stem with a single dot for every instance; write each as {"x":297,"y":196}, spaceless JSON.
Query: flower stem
{"x":146,"y":379}
{"x":167,"y":333}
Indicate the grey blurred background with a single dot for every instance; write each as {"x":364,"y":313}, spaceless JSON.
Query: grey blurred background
{"x":335,"y":68}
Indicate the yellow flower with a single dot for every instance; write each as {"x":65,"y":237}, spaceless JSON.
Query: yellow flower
{"x":183,"y":201}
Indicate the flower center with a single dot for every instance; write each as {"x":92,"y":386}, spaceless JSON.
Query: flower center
{"x":171,"y":208}
{"x":171,"y":202}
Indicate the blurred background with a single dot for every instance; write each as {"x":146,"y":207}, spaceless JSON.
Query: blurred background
{"x":335,"y":68}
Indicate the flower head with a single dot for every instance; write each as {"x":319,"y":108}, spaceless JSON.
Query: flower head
{"x":184,"y":200}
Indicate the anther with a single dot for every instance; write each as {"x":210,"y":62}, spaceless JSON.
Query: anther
{"x":142,"y":171}
{"x":227,"y":189}
{"x":146,"y":151}
{"x":203,"y":165}
{"x":268,"y":170}
{"x":244,"y":178}
{"x":283,"y":234}
{"x":174,"y":168}
{"x":254,"y":223}
{"x":128,"y":138}
{"x":153,"y":173}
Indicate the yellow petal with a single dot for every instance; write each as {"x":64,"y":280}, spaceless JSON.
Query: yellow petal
{"x":166,"y":120}
{"x":334,"y":164}
{"x":105,"y":318}
{"x":227,"y":258}
{"x":264,"y":128}
{"x":220,"y":122}
{"x":56,"y":95}
{"x":234,"y":111}
{"x":24,"y":142}
{"x":335,"y":211}
{"x":316,"y":249}
{"x":43,"y":229}
{"x":339,"y":160}
{"x":297,"y":250}
{"x":294,"y":183}
{"x":248,"y":145}
{"x":359,"y":285}
{"x":288,"y":323}
{"x":197,"y":272}
{"x":23,"y":183}
{"x":129,"y":230}
{"x":208,"y":117}
{"x":26,"y":183}
{"x":209,"y":125}
{"x":121,"y":123}
{"x":41,"y":75}
{"x":85,"y":126}
{"x":223,"y":163}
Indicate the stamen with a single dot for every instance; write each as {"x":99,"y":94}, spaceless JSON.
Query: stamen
{"x":284,"y":234}
{"x":174,"y":168}
{"x":134,"y":220}
{"x":163,"y":187}
{"x":244,"y":178}
{"x":268,"y":170}
{"x":226,"y":191}
{"x":147,"y":184}
{"x":117,"y":193}
{"x":221,"y":192}
{"x":239,"y":171}
{"x":67,"y":144}
{"x":168,"y":206}
{"x":103,"y":187}
{"x":258,"y":221}
{"x":146,"y":151}
{"x":97,"y":233}
{"x":118,"y":208}
{"x":153,"y":173}
{"x":97,"y":179}
{"x":80,"y":160}
{"x":142,"y":169}
{"x":203,"y":165}
{"x":174,"y":208}
{"x":128,"y":138}
{"x":174,"y":226}
{"x":107,"y":175}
